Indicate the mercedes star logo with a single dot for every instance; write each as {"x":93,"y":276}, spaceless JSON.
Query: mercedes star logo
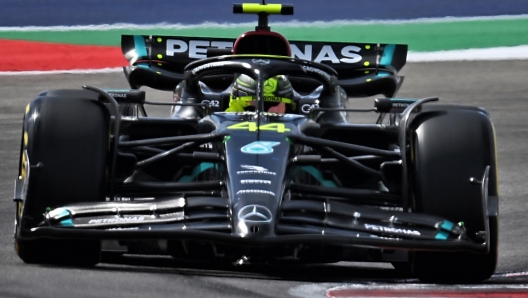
{"x":261,"y":61}
{"x":254,"y":213}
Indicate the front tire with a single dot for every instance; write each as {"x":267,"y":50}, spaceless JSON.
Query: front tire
{"x":63,"y":160}
{"x":450,"y":145}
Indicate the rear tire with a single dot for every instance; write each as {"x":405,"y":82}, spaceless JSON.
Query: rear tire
{"x":63,"y":160}
{"x":449,"y":145}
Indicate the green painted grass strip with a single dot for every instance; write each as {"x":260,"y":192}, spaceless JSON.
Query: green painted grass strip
{"x":421,"y":36}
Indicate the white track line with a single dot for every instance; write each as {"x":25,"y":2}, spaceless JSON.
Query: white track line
{"x":71,"y":71}
{"x":321,"y":289}
{"x":489,"y":54}
{"x":293,"y":23}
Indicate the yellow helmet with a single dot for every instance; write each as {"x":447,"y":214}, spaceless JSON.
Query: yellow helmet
{"x":278,"y":95}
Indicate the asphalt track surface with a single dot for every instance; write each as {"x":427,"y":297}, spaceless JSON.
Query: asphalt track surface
{"x":501,"y":87}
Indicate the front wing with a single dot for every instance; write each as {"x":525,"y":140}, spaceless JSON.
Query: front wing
{"x":208,"y":219}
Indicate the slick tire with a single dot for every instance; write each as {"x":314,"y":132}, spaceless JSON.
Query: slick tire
{"x":449,"y":146}
{"x":81,"y":253}
{"x":63,"y":159}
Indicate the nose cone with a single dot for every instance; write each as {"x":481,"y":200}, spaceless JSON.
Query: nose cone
{"x":256,"y":163}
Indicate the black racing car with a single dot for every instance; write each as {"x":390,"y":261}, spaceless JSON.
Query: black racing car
{"x":417,"y":187}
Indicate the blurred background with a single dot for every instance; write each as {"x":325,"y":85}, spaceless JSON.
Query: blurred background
{"x":92,"y":12}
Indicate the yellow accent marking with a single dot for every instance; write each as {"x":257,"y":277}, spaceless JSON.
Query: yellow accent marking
{"x":158,"y":72}
{"x":368,"y":80}
{"x":367,"y":71}
{"x":366,"y":63}
{"x":496,"y":162}
{"x":26,"y":139}
{"x":270,"y":86}
{"x":257,"y":8}
{"x":19,"y":209}
{"x":278,"y":127}
{"x":160,"y":64}
{"x":251,"y":126}
{"x":267,"y":98}
{"x":23,"y":167}
{"x":159,"y":39}
{"x":160,"y":56}
{"x":27,"y":109}
{"x":367,"y":47}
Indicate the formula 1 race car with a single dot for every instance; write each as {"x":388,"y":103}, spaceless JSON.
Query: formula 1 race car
{"x":279,"y":179}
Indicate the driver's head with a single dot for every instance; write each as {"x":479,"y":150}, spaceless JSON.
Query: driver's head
{"x":278,"y":95}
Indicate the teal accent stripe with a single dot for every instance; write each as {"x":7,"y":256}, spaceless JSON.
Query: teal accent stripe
{"x":388,"y":53}
{"x":143,"y":65}
{"x":67,"y":223}
{"x":447,"y":225}
{"x":199,"y":169}
{"x":317,"y":175}
{"x":382,"y":74}
{"x":442,"y":235}
{"x":139,"y":44}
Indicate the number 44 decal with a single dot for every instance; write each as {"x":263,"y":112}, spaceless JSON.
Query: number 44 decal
{"x":252,"y":126}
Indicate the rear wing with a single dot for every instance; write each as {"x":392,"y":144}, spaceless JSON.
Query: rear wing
{"x":363,"y":69}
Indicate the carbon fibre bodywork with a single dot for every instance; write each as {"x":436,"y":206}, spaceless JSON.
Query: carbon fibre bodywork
{"x":258,"y":179}
{"x":260,"y":186}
